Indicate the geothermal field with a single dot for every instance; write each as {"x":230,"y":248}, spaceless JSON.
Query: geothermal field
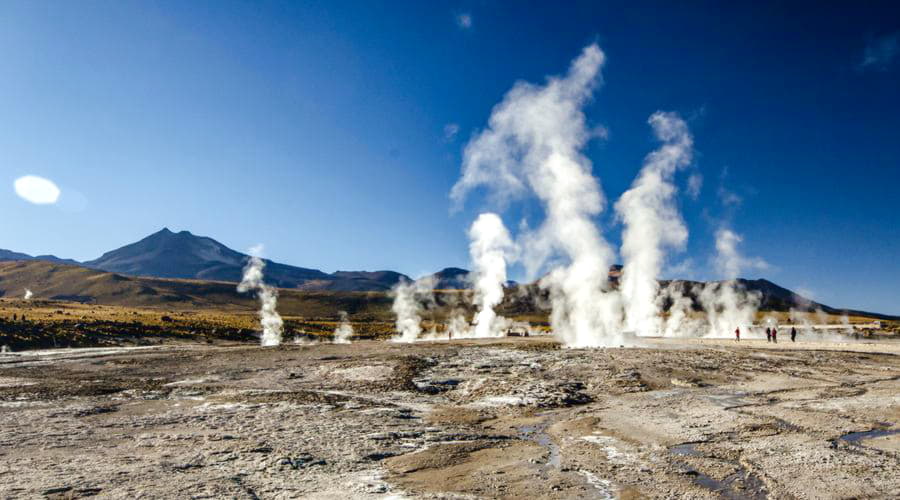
{"x":518,"y":417}
{"x":594,"y":376}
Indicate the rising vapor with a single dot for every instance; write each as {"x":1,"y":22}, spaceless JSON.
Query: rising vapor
{"x":344,"y":330}
{"x":533,"y":144}
{"x":269,"y":318}
{"x":652,"y":223}
{"x":490,"y":247}
{"x":727,"y":303}
{"x":407,"y":306}
{"x":28,"y":294}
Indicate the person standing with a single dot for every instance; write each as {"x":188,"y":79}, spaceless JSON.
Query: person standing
{"x":774,"y":335}
{"x":737,"y":334}
{"x":793,"y":334}
{"x":768,"y":334}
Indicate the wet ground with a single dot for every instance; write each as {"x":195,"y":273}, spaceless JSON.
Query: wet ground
{"x":517,"y":418}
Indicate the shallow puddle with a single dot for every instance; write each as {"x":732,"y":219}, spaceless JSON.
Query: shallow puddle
{"x":739,"y":485}
{"x":856,"y":437}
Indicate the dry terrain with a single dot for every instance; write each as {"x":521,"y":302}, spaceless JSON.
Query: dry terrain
{"x":516,"y":418}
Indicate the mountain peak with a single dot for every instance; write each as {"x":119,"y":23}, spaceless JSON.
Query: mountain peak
{"x":168,"y":233}
{"x":452,"y":271}
{"x":452,"y":278}
{"x":167,"y":254}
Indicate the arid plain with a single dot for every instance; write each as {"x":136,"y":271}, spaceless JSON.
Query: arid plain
{"x":187,"y":417}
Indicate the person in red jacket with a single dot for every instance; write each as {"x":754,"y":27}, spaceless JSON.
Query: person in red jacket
{"x":737,"y":334}
{"x":775,"y":335}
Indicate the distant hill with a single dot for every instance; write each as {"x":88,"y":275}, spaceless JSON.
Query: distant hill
{"x":80,"y":284}
{"x":166,"y":254}
{"x":452,"y":278}
{"x":185,"y":256}
{"x":52,"y":281}
{"x":6,"y":255}
{"x":777,"y":298}
{"x":383,"y":280}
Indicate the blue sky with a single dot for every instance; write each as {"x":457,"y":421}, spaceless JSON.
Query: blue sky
{"x":321,"y":128}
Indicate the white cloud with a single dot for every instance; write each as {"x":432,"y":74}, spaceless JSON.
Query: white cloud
{"x":37,"y":190}
{"x":464,"y":20}
{"x":881,"y":52}
{"x":694,"y":184}
{"x":450,"y":131}
{"x":729,"y":198}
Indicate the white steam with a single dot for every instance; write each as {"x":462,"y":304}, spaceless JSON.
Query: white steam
{"x":269,"y":318}
{"x":729,"y":261}
{"x":407,"y":306}
{"x":28,"y":294}
{"x":679,"y":322}
{"x":652,"y":223}
{"x":458,"y":326}
{"x":728,"y":304}
{"x":533,"y":145}
{"x":490,"y":245}
{"x":344,"y":330}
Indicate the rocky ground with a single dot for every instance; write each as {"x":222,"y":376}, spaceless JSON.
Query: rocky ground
{"x":518,"y":417}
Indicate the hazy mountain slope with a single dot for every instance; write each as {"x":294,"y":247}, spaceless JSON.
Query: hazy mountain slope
{"x":183,"y":255}
{"x":452,"y":278}
{"x":65,"y":282}
{"x":10,"y":255}
{"x":385,"y":279}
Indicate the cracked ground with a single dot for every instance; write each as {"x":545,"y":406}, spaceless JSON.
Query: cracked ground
{"x":464,"y":419}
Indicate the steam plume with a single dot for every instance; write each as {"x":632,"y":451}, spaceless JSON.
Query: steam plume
{"x":268,"y":299}
{"x":490,"y":244}
{"x":729,"y":261}
{"x":679,"y":322}
{"x":408,"y":296}
{"x":652,"y":223}
{"x":344,"y":330}
{"x":728,"y":304}
{"x":28,"y":294}
{"x":533,"y":144}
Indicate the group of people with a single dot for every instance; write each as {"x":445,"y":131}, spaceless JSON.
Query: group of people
{"x":771,"y":334}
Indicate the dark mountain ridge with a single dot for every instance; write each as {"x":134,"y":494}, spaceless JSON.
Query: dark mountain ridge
{"x":183,"y":255}
{"x":10,"y":255}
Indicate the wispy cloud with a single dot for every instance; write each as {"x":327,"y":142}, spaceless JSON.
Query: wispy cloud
{"x":694,"y":185}
{"x":881,"y":52}
{"x":464,"y":20}
{"x":729,"y":198}
{"x":37,"y":190}
{"x":450,"y":131}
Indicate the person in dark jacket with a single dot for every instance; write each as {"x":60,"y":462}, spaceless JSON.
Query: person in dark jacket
{"x":793,"y":334}
{"x":768,"y":334}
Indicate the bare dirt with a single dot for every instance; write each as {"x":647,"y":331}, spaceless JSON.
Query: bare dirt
{"x":516,"y":418}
